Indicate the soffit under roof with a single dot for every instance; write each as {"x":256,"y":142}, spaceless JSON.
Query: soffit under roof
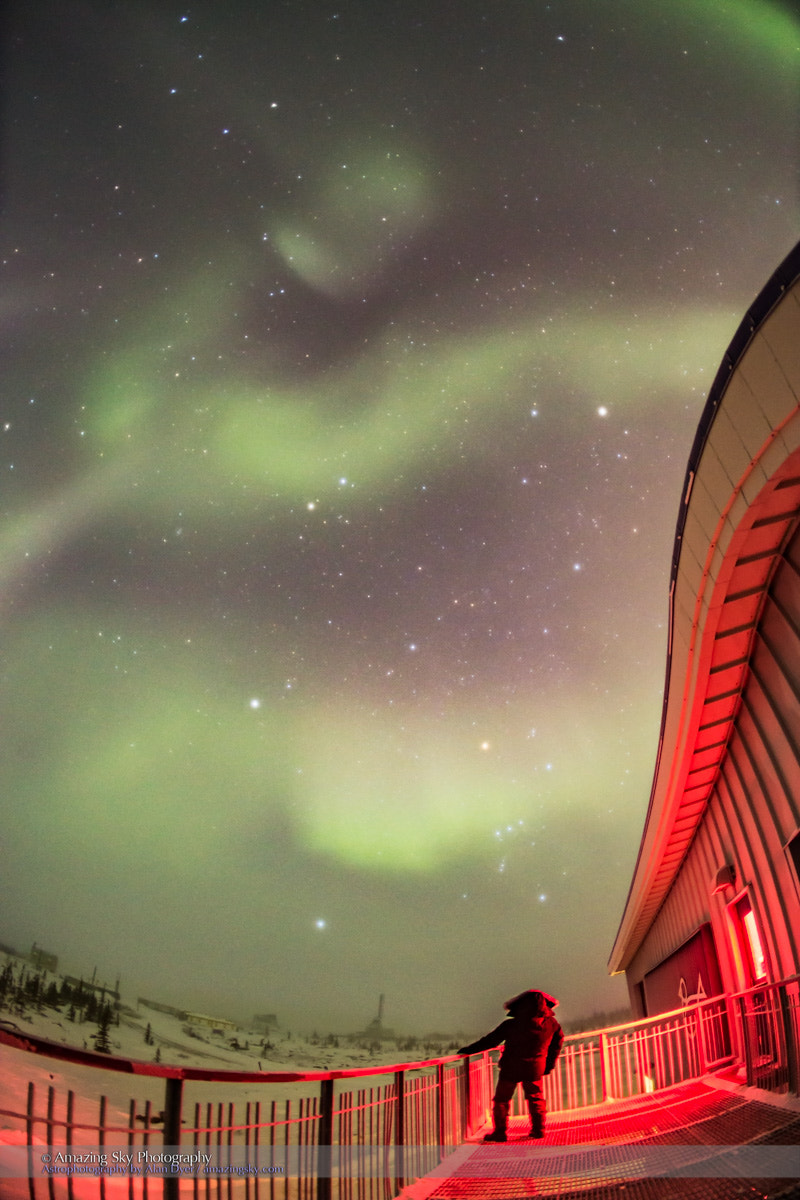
{"x":741,"y":504}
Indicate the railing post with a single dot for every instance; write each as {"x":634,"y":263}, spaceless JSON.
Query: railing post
{"x":789,"y":1040}
{"x":700,"y":1039}
{"x":173,"y":1103}
{"x":745,"y":1036}
{"x":29,"y":1119}
{"x":605,"y":1068}
{"x":440,"y":1130}
{"x":466,"y":1108}
{"x":643,"y":1063}
{"x":400,"y":1129}
{"x":325,"y":1143}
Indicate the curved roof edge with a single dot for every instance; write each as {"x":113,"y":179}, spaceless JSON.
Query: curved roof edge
{"x":737,"y":467}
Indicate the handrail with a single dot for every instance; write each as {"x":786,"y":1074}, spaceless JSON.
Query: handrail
{"x":638,"y":1022}
{"x":400,"y":1118}
{"x":18,"y":1039}
{"x":135,"y":1066}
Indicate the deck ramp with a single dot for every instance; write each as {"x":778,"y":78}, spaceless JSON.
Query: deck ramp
{"x":663,"y":1146}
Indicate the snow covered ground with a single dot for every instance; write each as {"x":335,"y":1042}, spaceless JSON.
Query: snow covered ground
{"x":172,"y":1043}
{"x":70,"y":1101}
{"x":176,"y":1042}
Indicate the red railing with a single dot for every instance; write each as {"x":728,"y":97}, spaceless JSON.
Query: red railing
{"x":767,"y":1029}
{"x":337,"y":1139}
{"x":350,"y":1134}
{"x":642,"y":1056}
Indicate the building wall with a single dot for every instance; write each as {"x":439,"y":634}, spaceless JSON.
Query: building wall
{"x":752,"y":815}
{"x":726,"y":789}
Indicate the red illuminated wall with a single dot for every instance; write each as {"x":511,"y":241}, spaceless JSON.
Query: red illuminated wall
{"x":717,"y":881}
{"x":688,"y":975}
{"x":750,"y":820}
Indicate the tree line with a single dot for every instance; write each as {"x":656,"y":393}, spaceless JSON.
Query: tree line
{"x":23,"y":990}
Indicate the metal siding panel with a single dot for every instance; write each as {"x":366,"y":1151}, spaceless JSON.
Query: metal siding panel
{"x":717,"y":564}
{"x":781,"y":342}
{"x":787,"y":763}
{"x":754,"y":484}
{"x":731,"y":648}
{"x":725,"y":442}
{"x":695,"y":539}
{"x":755,"y":790}
{"x":735,"y":515}
{"x":690,"y":577}
{"x":792,"y":555}
{"x":767,"y":538}
{"x":744,"y":417}
{"x":725,"y":817}
{"x":786,"y":593}
{"x":748,"y":835}
{"x":765,"y":847}
{"x":709,"y":743}
{"x":700,"y":777}
{"x":789,"y":439}
{"x":779,"y":672}
{"x":740,"y":611}
{"x":704,"y":510}
{"x":716,"y":478}
{"x":764,"y":374}
{"x":785,"y":444}
{"x":718,"y":710}
{"x":789,"y":492}
{"x":706,"y":757}
{"x":750,"y":576}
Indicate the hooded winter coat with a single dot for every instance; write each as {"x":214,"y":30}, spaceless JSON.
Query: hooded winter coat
{"x":531,"y":1035}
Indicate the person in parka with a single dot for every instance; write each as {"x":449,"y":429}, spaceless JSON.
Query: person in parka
{"x":533,"y":1039}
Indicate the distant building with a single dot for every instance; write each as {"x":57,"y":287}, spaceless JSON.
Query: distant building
{"x":376,"y":1030}
{"x":164,"y":1008}
{"x":714,"y":904}
{"x":220,"y":1023}
{"x":265,"y":1022}
{"x":43,"y":960}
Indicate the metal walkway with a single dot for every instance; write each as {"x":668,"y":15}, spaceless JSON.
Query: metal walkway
{"x":664,"y":1146}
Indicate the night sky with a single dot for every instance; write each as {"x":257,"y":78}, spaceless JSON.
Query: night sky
{"x":352,"y":357}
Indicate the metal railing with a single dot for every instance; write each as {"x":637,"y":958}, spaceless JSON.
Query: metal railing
{"x":351,"y":1134}
{"x":354,"y":1133}
{"x":767,"y":1028}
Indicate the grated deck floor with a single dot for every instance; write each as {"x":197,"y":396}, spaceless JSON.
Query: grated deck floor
{"x":690,"y":1116}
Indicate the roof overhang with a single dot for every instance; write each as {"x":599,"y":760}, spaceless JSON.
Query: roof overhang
{"x":740,"y":504}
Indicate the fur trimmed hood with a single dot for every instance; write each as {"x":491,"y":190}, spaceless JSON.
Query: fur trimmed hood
{"x":531,"y":1003}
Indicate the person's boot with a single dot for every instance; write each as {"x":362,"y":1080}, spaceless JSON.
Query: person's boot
{"x":500,"y":1114}
{"x":537,"y":1122}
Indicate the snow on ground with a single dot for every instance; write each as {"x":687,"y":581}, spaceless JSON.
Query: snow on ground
{"x":179,"y":1044}
{"x":202,"y":1047}
{"x":94,"y":1090}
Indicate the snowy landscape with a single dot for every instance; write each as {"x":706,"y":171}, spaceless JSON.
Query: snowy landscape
{"x":76,"y":1013}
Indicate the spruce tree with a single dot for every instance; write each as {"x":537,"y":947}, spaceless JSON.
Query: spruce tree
{"x":6,"y":982}
{"x":102,"y":1041}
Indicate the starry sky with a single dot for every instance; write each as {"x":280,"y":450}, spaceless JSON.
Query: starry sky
{"x":352,"y":357}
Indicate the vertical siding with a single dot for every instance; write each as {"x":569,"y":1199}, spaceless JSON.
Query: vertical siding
{"x":754,"y":808}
